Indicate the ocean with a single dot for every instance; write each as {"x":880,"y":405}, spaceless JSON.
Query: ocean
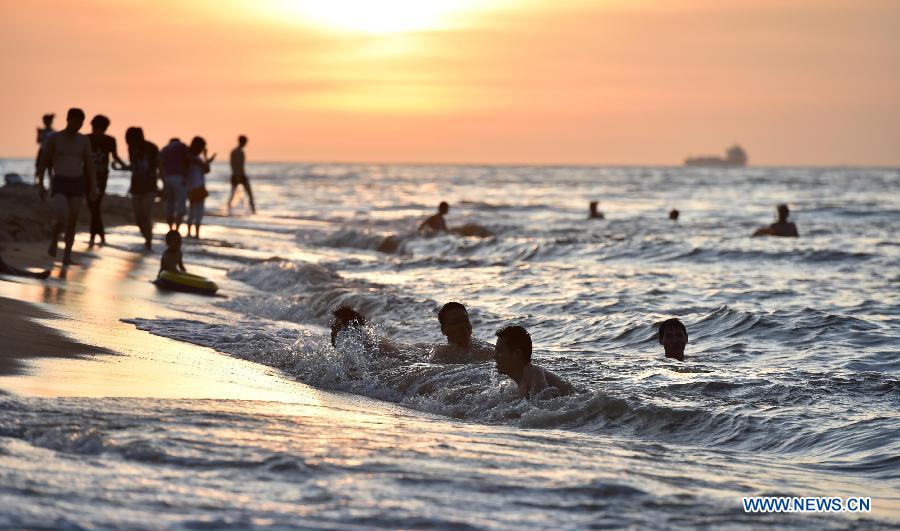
{"x":790,"y":386}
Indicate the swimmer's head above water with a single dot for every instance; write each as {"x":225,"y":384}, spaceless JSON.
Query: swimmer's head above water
{"x":673,"y":337}
{"x":513,"y":351}
{"x":344,"y":318}
{"x":783,"y":212}
{"x":455,"y":324}
{"x":443,"y":208}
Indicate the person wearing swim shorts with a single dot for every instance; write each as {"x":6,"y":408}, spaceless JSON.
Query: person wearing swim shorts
{"x":69,"y":153}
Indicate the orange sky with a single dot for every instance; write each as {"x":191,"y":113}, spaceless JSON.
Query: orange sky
{"x":497,"y":81}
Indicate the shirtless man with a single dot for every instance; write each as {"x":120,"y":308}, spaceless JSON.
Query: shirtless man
{"x":673,"y":337}
{"x":69,"y":153}
{"x":782,"y":227}
{"x":513,"y":356}
{"x":460,"y":347}
{"x":436,"y":222}
{"x":238,"y":174}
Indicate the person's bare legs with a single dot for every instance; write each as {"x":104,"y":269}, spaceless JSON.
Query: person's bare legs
{"x":231,"y":197}
{"x":74,"y":205}
{"x":249,"y":194}
{"x":60,"y":214}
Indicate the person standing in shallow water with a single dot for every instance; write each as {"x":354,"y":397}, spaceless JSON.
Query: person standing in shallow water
{"x":102,"y":147}
{"x":782,"y":227}
{"x":460,"y":347}
{"x":513,"y":357}
{"x":239,"y":174}
{"x":198,"y":167}
{"x":673,"y":336}
{"x":436,"y":222}
{"x":69,"y":153}
{"x":173,"y":160}
{"x":144,"y":157}
{"x":593,"y":213}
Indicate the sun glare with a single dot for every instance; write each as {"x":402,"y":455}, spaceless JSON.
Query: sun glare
{"x":376,"y":16}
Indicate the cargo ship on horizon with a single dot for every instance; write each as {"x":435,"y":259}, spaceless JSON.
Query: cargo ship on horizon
{"x":735,"y":157}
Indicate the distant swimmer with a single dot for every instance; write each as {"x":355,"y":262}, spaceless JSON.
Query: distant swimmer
{"x":346,"y":318}
{"x":68,"y":152}
{"x":513,"y":356}
{"x":172,"y":260}
{"x":460,"y":347}
{"x":436,"y":222}
{"x":673,"y":337}
{"x":673,"y":214}
{"x":594,"y":213}
{"x":239,"y":174}
{"x":782,"y":227}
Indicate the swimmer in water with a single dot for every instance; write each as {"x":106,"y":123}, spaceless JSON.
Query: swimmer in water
{"x":346,"y":318}
{"x":782,"y":227}
{"x":513,"y":357}
{"x":460,"y":347}
{"x":673,"y":337}
{"x":172,"y":259}
{"x":673,"y":214}
{"x":436,"y":222}
{"x":594,"y":213}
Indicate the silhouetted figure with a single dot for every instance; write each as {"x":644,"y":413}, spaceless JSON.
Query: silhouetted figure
{"x":239,"y":174}
{"x":102,"y":146}
{"x":513,"y":357}
{"x":144,"y":157}
{"x":43,"y":133}
{"x":673,"y":337}
{"x":460,"y":347}
{"x":594,"y":213}
{"x":347,"y":318}
{"x":173,"y":165}
{"x":69,"y":152}
{"x":782,"y":227}
{"x":436,"y":222}
{"x":673,"y":214}
{"x":172,"y":260}
{"x":198,"y":167}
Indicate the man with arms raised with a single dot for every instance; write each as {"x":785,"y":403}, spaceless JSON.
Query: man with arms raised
{"x":69,"y":153}
{"x":460,"y":347}
{"x":513,"y":356}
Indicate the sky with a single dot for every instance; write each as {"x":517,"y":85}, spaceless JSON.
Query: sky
{"x":795,"y":82}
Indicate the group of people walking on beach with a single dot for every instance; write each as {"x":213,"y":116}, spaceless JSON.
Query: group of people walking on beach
{"x":78,"y":165}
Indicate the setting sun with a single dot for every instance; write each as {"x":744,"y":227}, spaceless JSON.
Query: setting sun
{"x":388,"y":16}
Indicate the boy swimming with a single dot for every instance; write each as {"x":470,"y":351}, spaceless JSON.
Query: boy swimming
{"x":513,"y":356}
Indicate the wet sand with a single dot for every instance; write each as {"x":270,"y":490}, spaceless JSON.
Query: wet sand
{"x":23,"y":336}
{"x":64,"y":336}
